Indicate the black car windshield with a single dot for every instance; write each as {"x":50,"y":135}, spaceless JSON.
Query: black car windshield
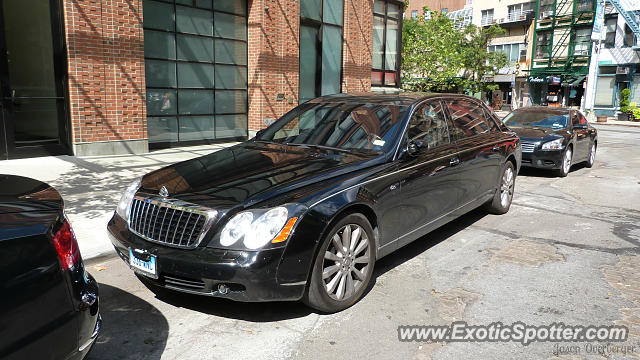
{"x":537,"y":119}
{"x":343,"y":126}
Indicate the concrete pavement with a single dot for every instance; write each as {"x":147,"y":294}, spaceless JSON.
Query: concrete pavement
{"x":91,"y":186}
{"x":567,"y":251}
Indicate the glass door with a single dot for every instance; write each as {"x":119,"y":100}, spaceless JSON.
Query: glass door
{"x":32,"y":83}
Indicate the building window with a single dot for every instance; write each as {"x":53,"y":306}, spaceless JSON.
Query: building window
{"x":196,"y":70}
{"x":512,"y":51}
{"x":320,"y":47}
{"x":546,"y":9}
{"x":583,"y":42}
{"x":610,"y":40}
{"x":487,"y":17}
{"x":385,"y":62}
{"x":629,"y":36}
{"x":519,"y":12}
{"x":543,"y":43}
{"x":635,"y":89}
{"x":414,"y":14}
{"x":585,"y":5}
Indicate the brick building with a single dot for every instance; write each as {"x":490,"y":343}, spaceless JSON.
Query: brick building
{"x":414,"y":7}
{"x":89,"y":77}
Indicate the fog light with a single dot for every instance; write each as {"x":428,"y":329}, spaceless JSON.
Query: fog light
{"x":223,"y":289}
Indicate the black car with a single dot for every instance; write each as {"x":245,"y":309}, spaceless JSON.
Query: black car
{"x":554,"y":138}
{"x":304,"y":209}
{"x":49,"y":303}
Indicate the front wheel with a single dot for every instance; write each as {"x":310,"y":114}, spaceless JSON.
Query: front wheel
{"x":343,"y":266}
{"x":566,"y":163}
{"x":592,"y":156}
{"x":504,"y":195}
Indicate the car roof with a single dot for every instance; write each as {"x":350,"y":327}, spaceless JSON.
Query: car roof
{"x":402,"y":98}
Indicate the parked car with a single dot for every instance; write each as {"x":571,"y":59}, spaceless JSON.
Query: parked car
{"x":304,"y":209}
{"x":554,"y":138}
{"x":49,"y":303}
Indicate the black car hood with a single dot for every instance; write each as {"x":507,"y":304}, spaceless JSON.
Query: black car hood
{"x":251,"y":172}
{"x":529,"y":132}
{"x":20,"y":194}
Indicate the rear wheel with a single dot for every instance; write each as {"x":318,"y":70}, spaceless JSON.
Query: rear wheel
{"x":567,"y":157}
{"x":504,"y":195}
{"x":343,"y":266}
{"x":592,"y":155}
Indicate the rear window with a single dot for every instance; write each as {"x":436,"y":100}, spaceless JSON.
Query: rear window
{"x":552,"y":120}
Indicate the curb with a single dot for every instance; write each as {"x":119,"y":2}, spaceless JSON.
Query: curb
{"x":612,"y":124}
{"x":100,"y":258}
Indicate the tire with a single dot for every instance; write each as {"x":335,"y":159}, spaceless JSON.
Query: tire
{"x":592,"y":155}
{"x":567,"y":159}
{"x":345,"y":279}
{"x":501,"y":201}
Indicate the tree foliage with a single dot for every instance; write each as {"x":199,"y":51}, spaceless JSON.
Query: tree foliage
{"x":436,"y":56}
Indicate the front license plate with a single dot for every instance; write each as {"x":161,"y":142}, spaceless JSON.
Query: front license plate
{"x":145,"y":267}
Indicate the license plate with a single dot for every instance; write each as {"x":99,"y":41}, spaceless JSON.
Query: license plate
{"x":145,"y":267}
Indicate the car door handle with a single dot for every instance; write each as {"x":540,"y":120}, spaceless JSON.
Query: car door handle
{"x":496,"y":147}
{"x":455,"y":161}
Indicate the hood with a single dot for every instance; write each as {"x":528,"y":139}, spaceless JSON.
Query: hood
{"x":529,"y":132}
{"x":251,"y":172}
{"x":20,"y":194}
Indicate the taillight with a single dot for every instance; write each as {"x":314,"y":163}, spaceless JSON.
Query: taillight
{"x":66,"y":246}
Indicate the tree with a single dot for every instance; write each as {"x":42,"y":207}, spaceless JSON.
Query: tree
{"x":478,"y":63}
{"x":437,"y":56}
{"x":430,"y":52}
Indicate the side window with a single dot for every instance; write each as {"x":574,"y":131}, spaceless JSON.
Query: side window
{"x":429,"y":125}
{"x":468,"y":119}
{"x":492,"y":120}
{"x":575,"y":118}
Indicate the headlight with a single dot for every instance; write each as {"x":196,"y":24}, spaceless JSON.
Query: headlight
{"x":553,"y":145}
{"x":256,"y":231}
{"x":125,"y":201}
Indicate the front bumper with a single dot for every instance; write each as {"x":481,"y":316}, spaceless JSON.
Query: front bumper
{"x":543,"y":159}
{"x":248,"y":275}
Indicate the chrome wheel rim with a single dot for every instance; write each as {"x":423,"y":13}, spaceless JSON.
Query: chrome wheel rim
{"x":347,"y":262}
{"x":506,"y":188}
{"x":566,"y":164}
{"x":592,"y":156}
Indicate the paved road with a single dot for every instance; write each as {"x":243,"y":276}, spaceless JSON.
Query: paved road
{"x":566,"y":252}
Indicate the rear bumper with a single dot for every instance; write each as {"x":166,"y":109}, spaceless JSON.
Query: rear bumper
{"x":543,"y":159}
{"x":247,"y":275}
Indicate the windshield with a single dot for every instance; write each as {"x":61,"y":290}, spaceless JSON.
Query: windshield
{"x":345,"y":126}
{"x":537,"y":119}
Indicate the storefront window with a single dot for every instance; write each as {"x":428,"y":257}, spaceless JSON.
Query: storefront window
{"x":386,"y":43}
{"x":604,"y":90}
{"x":196,"y":70}
{"x":320,"y":47}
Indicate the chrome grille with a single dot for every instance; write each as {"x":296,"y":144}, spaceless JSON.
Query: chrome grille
{"x":167,"y":223}
{"x":528,"y":147}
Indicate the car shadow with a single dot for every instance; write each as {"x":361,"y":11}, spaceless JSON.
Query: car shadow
{"x":132,"y":328}
{"x":248,"y":311}
{"x":424,"y":243}
{"x":546,"y":173}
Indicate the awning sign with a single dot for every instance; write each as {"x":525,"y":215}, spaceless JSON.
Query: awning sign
{"x":598,"y":23}
{"x":537,"y":79}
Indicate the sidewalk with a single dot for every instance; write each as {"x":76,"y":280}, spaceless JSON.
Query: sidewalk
{"x":618,"y":123}
{"x":91,"y":186}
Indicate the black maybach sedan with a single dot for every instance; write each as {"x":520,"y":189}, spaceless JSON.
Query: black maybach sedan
{"x":49,"y":303}
{"x":304,"y":209}
{"x":554,"y":138}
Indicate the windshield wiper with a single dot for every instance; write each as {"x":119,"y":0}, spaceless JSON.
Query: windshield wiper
{"x":324,"y":147}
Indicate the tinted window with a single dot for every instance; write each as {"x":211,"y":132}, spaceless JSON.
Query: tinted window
{"x":578,"y":118}
{"x":365,"y":127}
{"x":492,"y":120}
{"x":468,"y":119}
{"x":429,"y":125}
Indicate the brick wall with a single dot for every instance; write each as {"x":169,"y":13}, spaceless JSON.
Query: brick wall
{"x":273,"y":34}
{"x":356,"y":50}
{"x":106,"y":70}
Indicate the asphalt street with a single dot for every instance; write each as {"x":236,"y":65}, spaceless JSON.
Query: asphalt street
{"x":566,"y":252}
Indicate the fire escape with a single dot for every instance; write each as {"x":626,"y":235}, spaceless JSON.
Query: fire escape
{"x":631,"y":16}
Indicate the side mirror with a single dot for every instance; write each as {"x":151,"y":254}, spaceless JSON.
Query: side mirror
{"x":415,"y":147}
{"x":259,"y":133}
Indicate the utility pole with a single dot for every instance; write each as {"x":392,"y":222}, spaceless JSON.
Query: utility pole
{"x":592,"y":77}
